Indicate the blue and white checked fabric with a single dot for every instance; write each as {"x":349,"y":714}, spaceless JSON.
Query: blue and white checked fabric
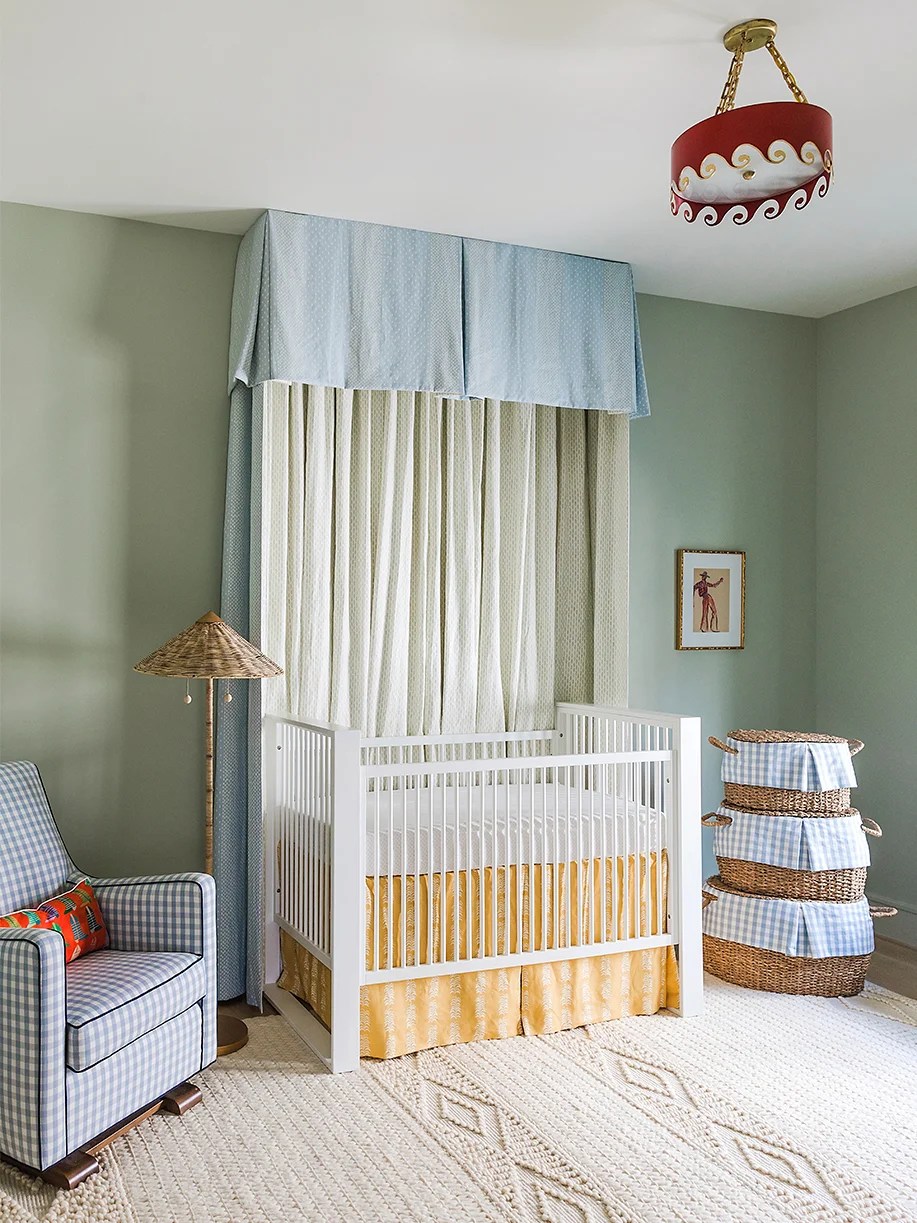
{"x":166,"y":913}
{"x":156,"y":912}
{"x":789,"y":766}
{"x":141,"y":1048}
{"x":134,"y":1076}
{"x":794,"y":842}
{"x":33,"y":1125}
{"x":33,"y":862}
{"x":814,"y":929}
{"x":113,"y":997}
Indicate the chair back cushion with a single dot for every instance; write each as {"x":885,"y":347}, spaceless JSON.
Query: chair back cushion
{"x":33,"y":862}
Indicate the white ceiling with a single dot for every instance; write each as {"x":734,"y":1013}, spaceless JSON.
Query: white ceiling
{"x":546,"y":122}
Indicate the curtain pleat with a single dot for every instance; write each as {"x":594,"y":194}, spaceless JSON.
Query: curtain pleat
{"x":441,"y":565}
{"x":416,"y":564}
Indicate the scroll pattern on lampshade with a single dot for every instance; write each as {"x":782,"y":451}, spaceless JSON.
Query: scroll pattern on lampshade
{"x":762,"y":158}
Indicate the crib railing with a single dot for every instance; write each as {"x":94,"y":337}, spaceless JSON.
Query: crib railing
{"x":439,"y":749}
{"x":397,"y":858}
{"x":472,"y":867}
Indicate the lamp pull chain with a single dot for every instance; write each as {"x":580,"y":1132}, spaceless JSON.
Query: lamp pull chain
{"x":187,"y":697}
{"x":785,"y":72}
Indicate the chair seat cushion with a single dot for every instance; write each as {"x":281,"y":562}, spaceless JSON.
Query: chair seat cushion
{"x":115,"y":997}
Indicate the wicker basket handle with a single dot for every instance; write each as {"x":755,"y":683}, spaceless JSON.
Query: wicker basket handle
{"x":870,"y":827}
{"x":855,"y":745}
{"x":724,"y":747}
{"x":713,"y":819}
{"x":882,"y":910}
{"x":707,"y":899}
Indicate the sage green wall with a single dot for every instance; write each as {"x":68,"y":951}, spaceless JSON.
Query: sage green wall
{"x":725,"y":461}
{"x":114,"y":340}
{"x":866,"y":562}
{"x":113,"y":399}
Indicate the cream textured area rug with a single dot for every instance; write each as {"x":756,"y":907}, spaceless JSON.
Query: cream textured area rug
{"x":766,"y":1108}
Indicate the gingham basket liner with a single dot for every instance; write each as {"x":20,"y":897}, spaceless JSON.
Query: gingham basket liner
{"x":793,"y":842}
{"x":811,"y":929}
{"x":789,"y":766}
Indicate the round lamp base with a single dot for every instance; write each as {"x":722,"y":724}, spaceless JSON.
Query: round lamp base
{"x":232,"y":1035}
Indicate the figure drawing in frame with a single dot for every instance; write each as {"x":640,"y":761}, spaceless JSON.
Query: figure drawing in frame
{"x":709,"y":618}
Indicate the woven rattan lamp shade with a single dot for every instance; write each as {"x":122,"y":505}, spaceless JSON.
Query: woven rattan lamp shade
{"x":209,"y":649}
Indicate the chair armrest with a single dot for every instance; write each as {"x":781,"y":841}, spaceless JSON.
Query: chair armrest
{"x":33,"y":1021}
{"x":166,"y":913}
{"x":159,"y":912}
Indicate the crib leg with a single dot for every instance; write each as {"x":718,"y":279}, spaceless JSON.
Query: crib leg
{"x":687,"y":874}
{"x":348,"y":886}
{"x":690,"y":977}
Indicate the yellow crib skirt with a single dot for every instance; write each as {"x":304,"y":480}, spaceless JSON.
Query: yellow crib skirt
{"x":425,"y":1012}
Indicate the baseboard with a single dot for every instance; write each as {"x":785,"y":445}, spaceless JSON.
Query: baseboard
{"x":306,"y":1026}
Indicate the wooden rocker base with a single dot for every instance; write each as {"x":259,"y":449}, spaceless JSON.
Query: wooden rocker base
{"x":74,"y":1168}
{"x":181,"y":1098}
{"x":71,"y":1171}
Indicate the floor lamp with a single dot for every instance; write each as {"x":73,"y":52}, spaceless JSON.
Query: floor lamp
{"x":211,"y":650}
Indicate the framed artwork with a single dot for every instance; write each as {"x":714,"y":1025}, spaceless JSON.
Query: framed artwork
{"x":709,"y":599}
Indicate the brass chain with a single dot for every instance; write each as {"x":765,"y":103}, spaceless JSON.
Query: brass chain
{"x":785,"y":72}
{"x":728,"y":97}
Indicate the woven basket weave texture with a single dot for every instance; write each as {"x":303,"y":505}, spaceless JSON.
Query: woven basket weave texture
{"x":757,"y":968}
{"x":762,"y":879}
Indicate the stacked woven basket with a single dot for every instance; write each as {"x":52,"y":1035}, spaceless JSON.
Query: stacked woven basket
{"x":787,"y":911}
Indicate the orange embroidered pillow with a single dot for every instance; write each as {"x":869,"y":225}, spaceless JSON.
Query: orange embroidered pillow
{"x":74,"y":914}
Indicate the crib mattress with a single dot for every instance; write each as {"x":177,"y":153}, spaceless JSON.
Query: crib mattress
{"x":470,"y":827}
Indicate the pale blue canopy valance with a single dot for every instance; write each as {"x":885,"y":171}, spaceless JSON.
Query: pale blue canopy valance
{"x":350,"y":304}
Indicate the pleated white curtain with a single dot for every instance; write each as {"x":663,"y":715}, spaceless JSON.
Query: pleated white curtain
{"x":434,"y":565}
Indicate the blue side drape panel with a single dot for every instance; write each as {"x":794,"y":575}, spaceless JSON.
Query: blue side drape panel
{"x":373,"y":307}
{"x":238,"y":841}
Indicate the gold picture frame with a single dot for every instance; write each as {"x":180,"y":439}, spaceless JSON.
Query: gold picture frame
{"x":709,"y":599}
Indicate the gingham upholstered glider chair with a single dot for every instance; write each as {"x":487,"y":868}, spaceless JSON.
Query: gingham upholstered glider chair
{"x":89,"y":1048}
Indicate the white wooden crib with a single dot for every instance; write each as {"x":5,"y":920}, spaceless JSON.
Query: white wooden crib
{"x":351,"y":822}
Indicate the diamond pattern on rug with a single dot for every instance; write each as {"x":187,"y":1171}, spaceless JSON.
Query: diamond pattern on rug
{"x":765,"y":1109}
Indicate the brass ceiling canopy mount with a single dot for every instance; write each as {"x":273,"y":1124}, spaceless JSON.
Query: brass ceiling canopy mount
{"x":750,"y":35}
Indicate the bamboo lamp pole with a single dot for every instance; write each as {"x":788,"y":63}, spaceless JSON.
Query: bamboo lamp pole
{"x":208,"y":777}
{"x":209,"y":649}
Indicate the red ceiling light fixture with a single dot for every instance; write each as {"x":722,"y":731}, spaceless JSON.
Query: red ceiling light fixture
{"x":753,"y":159}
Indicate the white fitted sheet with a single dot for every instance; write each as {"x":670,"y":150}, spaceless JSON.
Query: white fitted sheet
{"x":488,"y":825}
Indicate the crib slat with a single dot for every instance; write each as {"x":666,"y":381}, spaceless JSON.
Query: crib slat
{"x":567,"y":867}
{"x":430,"y":876}
{"x":390,"y":879}
{"x":376,"y":909}
{"x":628,"y":818}
{"x":403,"y":959}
